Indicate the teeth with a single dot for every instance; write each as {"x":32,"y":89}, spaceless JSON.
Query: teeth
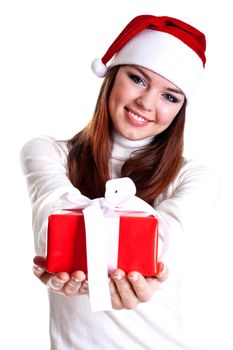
{"x":136,"y":117}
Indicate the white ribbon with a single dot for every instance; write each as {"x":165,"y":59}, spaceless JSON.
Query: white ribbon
{"x":97,"y":259}
{"x":102,"y":233}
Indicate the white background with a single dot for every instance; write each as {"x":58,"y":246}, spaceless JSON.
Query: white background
{"x":46,"y":87}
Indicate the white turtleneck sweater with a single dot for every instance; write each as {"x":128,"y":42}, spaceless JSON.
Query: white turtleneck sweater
{"x":122,"y":149}
{"x":159,"y":324}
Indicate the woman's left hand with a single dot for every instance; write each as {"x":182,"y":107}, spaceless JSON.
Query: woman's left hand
{"x":127,"y":291}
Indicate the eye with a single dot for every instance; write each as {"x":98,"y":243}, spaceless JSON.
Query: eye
{"x":137,"y":79}
{"x":171,"y":98}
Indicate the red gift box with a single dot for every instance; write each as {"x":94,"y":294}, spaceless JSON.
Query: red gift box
{"x":137,"y":250}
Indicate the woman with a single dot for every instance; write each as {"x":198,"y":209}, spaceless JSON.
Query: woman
{"x":136,"y":131}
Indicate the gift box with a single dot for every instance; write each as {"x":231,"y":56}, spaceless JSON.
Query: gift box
{"x":137,"y":245}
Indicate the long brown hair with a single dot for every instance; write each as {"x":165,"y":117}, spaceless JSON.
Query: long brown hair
{"x":152,"y":169}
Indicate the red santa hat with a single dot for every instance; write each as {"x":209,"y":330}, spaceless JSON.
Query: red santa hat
{"x":167,"y":46}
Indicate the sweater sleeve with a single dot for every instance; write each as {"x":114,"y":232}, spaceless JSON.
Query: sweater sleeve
{"x":43,"y":162}
{"x":187,"y":204}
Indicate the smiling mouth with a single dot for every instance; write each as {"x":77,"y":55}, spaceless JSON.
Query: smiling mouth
{"x":136,"y":118}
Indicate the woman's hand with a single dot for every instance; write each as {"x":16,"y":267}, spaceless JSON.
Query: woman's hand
{"x":62,"y":282}
{"x":127,"y":291}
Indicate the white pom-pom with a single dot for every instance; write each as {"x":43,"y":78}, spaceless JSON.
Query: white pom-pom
{"x":99,"y":68}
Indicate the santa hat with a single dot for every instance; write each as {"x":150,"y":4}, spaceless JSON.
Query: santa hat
{"x":167,"y":46}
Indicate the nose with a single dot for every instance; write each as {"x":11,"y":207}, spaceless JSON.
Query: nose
{"x":147,"y":100}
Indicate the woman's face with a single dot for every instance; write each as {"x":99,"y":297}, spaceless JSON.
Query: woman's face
{"x":142,"y":103}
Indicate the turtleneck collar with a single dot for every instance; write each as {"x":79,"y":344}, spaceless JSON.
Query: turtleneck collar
{"x":122,"y":148}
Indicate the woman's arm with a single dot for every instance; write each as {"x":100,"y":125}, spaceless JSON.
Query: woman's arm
{"x":186,"y":207}
{"x":43,"y":163}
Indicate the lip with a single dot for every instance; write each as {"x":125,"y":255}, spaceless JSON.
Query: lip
{"x":136,"y":118}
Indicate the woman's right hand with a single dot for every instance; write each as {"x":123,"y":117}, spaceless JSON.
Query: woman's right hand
{"x":62,"y":282}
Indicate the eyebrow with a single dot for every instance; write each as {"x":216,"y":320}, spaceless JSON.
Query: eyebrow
{"x":176,"y":91}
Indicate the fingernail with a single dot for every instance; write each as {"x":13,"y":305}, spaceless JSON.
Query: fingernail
{"x":117,"y":276}
{"x":61,"y":281}
{"x":76,"y":280}
{"x":57,"y":283}
{"x":133,"y":277}
{"x":38,"y":268}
